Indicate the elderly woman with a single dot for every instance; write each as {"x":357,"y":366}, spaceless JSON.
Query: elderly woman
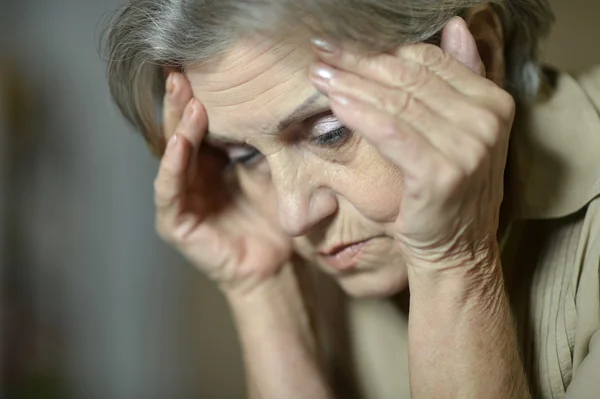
{"x":377,"y":141}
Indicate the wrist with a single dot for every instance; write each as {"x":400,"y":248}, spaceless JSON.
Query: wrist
{"x":277,"y":338}
{"x":461,"y":262}
{"x":462,"y":322}
{"x":257,"y":291}
{"x":274,"y":303}
{"x":471,"y":278}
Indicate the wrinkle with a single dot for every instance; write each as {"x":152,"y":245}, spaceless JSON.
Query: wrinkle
{"x":213,"y":77}
{"x":293,"y":200}
{"x":252,"y":98}
{"x":327,"y":195}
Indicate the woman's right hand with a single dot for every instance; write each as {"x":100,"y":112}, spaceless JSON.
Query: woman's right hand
{"x":197,"y":210}
{"x":250,"y":259}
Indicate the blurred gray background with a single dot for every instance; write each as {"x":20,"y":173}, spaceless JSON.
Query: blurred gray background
{"x":97,"y":306}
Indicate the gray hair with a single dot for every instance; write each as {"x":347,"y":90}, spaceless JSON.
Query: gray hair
{"x":145,"y":36}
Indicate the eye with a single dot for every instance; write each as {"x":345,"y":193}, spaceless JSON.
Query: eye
{"x":333,"y":137}
{"x":329,"y":132}
{"x":245,"y":156}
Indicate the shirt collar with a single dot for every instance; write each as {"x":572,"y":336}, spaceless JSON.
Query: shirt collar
{"x":553,"y":166}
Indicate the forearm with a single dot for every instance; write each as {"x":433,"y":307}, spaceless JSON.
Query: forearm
{"x":280,"y":351}
{"x":462,"y":342}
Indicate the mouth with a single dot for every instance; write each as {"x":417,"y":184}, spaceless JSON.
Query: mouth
{"x":344,"y":256}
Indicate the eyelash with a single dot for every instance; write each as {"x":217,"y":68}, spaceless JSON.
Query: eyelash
{"x":332,"y":138}
{"x":247,"y":161}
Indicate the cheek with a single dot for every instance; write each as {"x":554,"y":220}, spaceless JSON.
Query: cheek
{"x":369,"y":182}
{"x":373,"y":185}
{"x":259,"y":190}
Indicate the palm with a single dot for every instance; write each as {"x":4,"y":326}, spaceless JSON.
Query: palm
{"x":224,"y":230}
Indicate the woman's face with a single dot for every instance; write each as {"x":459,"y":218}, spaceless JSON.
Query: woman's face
{"x":321,"y":183}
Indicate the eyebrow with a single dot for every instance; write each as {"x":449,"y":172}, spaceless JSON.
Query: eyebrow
{"x":301,"y":112}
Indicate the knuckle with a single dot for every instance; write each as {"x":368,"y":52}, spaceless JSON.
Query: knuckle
{"x":363,"y":63}
{"x":386,"y":63}
{"x":412,"y":76}
{"x":411,"y":51}
{"x":489,"y":126}
{"x":381,"y":98}
{"x":415,"y":112}
{"x":507,"y":105}
{"x":389,"y":129}
{"x":394,"y":133}
{"x":428,"y":55}
{"x":180,"y":233}
{"x":478,"y":155}
{"x":433,"y":55}
{"x":451,"y":179}
{"x":399,"y":103}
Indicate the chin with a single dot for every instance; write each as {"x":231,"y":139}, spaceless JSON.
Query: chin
{"x":374,"y":284}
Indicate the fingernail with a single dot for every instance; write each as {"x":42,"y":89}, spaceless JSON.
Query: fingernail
{"x":339,"y":99}
{"x":322,"y":71}
{"x":190,"y":110}
{"x":324,"y":46}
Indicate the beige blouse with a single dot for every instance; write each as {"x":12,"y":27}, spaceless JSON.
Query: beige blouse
{"x":551,"y":256}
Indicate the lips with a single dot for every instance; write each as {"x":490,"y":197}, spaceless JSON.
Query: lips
{"x":344,"y":257}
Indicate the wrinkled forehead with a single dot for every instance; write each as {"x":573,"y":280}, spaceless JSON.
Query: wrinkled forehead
{"x":256,"y":84}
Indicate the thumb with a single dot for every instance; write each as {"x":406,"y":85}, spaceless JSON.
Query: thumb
{"x":458,"y":41}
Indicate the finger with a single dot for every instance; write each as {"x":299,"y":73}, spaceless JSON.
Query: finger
{"x":393,"y":137}
{"x":457,"y":144}
{"x":170,"y":182}
{"x":417,"y":68}
{"x":173,"y":172}
{"x":459,"y":43}
{"x":461,"y":148}
{"x":483,"y":92}
{"x":178,"y":94}
{"x":440,"y":93}
{"x":193,"y":124}
{"x":446,"y":101}
{"x":480,"y":117}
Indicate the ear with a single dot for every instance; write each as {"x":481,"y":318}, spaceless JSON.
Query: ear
{"x":486,"y":27}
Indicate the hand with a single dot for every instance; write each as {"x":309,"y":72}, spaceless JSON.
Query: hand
{"x":431,"y":112}
{"x":199,"y":212}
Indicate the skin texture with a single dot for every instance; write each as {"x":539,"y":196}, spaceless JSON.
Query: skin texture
{"x":321,"y":196}
{"x":420,"y":176}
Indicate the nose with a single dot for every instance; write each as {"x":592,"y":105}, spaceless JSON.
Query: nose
{"x":302,"y":200}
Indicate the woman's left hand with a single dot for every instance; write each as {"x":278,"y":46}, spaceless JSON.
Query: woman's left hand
{"x":433,"y":113}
